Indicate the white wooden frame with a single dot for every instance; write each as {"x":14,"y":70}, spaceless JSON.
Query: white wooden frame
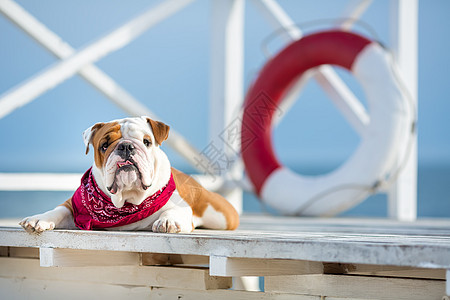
{"x":80,"y":62}
{"x":404,"y":44}
{"x":226,"y":93}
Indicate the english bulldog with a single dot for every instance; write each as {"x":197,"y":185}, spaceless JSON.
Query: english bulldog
{"x":132,"y":186}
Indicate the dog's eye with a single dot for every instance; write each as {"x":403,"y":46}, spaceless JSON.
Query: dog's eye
{"x":104,"y":146}
{"x":147,"y":142}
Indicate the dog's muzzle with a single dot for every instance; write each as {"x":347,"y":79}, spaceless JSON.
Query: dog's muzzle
{"x":125,"y":150}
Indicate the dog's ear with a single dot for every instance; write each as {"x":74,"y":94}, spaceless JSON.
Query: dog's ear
{"x":89,"y":133}
{"x":160,"y":130}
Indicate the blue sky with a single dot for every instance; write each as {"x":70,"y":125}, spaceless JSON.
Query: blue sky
{"x":167,"y":68}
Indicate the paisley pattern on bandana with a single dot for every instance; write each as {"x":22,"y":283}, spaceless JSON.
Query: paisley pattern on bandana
{"x":93,"y":209}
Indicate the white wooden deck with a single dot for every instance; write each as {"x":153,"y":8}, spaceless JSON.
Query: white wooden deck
{"x":299,"y":259}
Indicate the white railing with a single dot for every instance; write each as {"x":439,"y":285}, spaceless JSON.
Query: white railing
{"x":226,"y":86}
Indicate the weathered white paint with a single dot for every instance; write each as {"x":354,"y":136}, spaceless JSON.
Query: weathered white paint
{"x":379,"y":242}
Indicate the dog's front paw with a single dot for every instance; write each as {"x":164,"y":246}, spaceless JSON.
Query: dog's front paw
{"x":37,"y":224}
{"x":166,"y":225}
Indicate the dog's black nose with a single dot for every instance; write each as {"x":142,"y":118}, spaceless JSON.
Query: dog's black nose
{"x":125,"y":150}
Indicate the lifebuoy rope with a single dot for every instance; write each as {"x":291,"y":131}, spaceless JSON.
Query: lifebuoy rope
{"x":372,"y":33}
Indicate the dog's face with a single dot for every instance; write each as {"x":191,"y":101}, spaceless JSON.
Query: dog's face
{"x":127,"y":157}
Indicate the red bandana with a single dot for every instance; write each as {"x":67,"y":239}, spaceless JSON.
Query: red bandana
{"x":92,"y":209}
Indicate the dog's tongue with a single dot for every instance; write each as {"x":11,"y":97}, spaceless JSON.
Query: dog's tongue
{"x":113,"y":189}
{"x":121,"y":164}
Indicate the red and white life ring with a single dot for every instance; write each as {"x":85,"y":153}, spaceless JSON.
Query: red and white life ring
{"x":390,"y":121}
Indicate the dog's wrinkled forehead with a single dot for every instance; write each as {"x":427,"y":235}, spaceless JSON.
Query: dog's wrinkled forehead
{"x":135,"y":128}
{"x":127,"y":128}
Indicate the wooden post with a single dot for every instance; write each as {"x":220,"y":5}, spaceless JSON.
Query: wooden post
{"x":226,"y":93}
{"x":50,"y":257}
{"x":229,"y":266}
{"x":402,"y":196}
{"x":447,"y":283}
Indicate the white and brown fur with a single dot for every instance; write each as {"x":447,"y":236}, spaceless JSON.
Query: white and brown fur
{"x":190,"y":206}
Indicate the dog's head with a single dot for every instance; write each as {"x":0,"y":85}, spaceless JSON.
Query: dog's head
{"x":128,"y":163}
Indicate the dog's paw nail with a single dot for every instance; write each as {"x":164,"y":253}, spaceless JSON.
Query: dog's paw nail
{"x":165,"y":225}
{"x":42,"y":226}
{"x":173,"y":227}
{"x":35,"y":225}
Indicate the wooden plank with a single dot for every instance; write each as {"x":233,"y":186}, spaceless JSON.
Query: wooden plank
{"x":19,"y":252}
{"x":10,"y":222}
{"x":163,"y":293}
{"x":384,"y":271}
{"x":284,"y":224}
{"x":422,"y":244}
{"x":365,"y":287}
{"x":429,"y":227}
{"x":340,"y":298}
{"x":157,"y":259}
{"x":226,"y":266}
{"x":4,"y":251}
{"x":170,"y":277}
{"x":23,"y":252}
{"x":377,"y":249}
{"x":26,"y":288}
{"x":50,"y":257}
